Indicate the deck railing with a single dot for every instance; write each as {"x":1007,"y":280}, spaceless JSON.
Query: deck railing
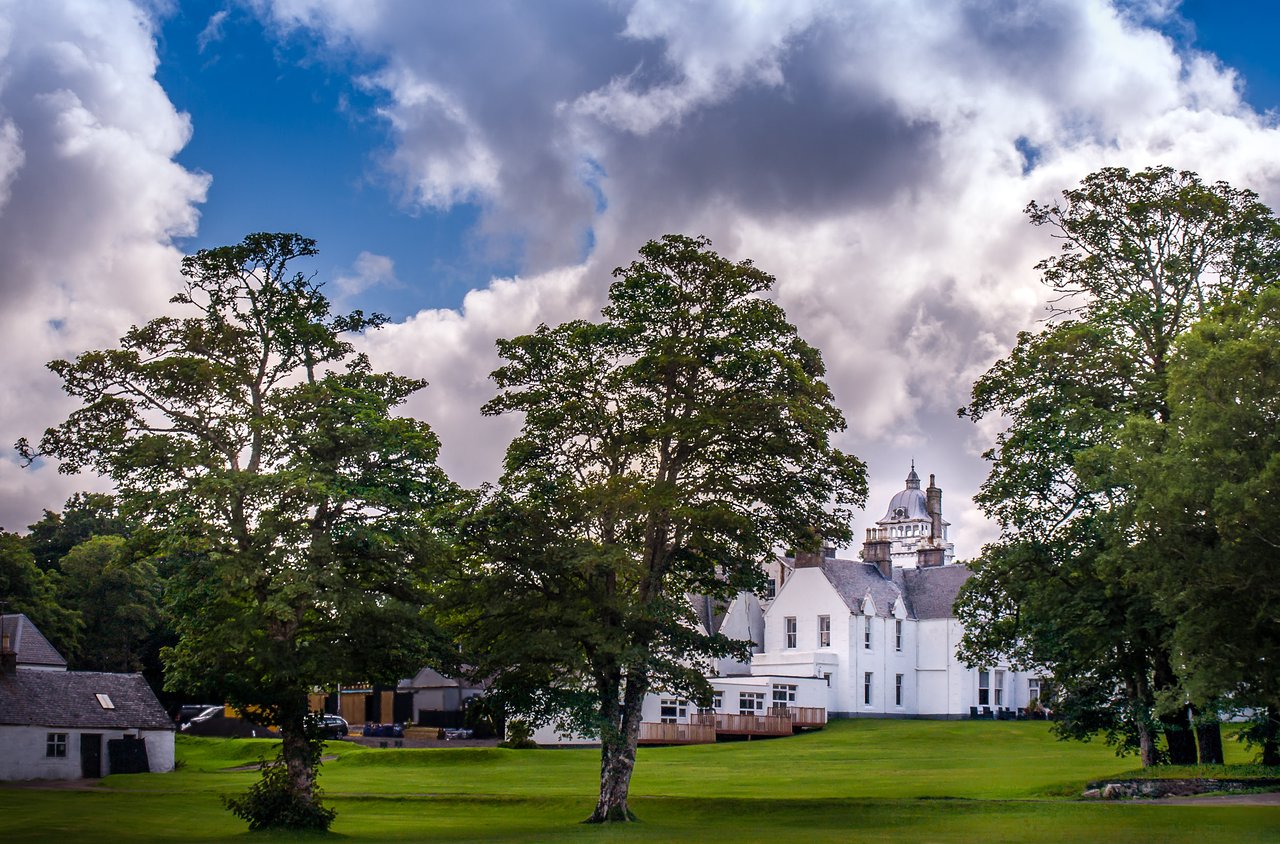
{"x":691,"y":733}
{"x":802,"y":716}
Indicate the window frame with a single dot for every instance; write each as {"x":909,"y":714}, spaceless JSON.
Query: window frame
{"x":55,"y":745}
{"x":897,"y":634}
{"x":897,"y":689}
{"x":824,"y":631}
{"x":671,"y":710}
{"x":867,"y":678}
{"x":866,"y":632}
{"x":755,"y":698}
{"x":791,"y":632}
{"x":984,"y":687}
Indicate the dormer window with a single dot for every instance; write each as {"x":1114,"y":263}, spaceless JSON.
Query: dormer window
{"x":900,"y":512}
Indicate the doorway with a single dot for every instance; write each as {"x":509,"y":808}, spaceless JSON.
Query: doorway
{"x":91,"y":755}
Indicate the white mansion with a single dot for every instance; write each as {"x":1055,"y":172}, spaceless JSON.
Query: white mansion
{"x":873,"y":637}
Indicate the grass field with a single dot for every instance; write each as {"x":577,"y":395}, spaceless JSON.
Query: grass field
{"x":857,"y":780}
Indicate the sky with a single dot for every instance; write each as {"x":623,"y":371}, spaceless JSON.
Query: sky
{"x":473,"y":170}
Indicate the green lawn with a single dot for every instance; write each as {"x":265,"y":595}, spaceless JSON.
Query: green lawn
{"x":864,"y":780}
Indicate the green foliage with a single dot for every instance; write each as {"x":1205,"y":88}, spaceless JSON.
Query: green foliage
{"x":260,"y":457}
{"x":1205,"y":496}
{"x":24,"y":588}
{"x":665,"y":451}
{"x":519,"y":736}
{"x":85,"y":515}
{"x":1069,"y":584}
{"x":117,"y":595}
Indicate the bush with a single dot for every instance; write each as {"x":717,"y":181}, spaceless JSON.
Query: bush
{"x":519,"y":736}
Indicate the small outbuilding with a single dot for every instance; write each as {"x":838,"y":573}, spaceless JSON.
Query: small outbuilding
{"x":59,"y":724}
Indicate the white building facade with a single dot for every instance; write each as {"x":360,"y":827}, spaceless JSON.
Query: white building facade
{"x":871,"y":637}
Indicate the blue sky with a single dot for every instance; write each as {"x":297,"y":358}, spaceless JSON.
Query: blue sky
{"x":474,"y":169}
{"x":292,"y":141}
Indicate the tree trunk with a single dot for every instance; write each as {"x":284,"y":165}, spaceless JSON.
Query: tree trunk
{"x":1271,"y":737}
{"x":1147,"y":746}
{"x":298,"y":762}
{"x":618,"y":753}
{"x":1180,"y":738}
{"x":1209,"y":741}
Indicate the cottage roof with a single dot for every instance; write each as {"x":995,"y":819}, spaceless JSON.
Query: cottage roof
{"x":70,"y":699}
{"x":29,"y":643}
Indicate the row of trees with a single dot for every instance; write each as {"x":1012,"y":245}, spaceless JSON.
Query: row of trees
{"x":1135,"y":482}
{"x":93,"y":594}
{"x":307,"y":536}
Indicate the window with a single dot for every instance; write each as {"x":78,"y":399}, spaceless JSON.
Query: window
{"x":783,"y":695}
{"x":771,"y":590}
{"x":105,"y":701}
{"x":999,"y":688}
{"x":824,"y":631}
{"x":1033,"y":689}
{"x":984,"y":687}
{"x":897,"y":635}
{"x":750,"y":703}
{"x":866,"y":632}
{"x":897,"y":690}
{"x":672,"y":710}
{"x":790,"y":625}
{"x":826,"y":678}
{"x":866,"y":688}
{"x":55,"y":746}
{"x":717,"y":701}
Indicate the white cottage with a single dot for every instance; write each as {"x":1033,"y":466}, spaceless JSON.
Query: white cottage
{"x":59,"y":724}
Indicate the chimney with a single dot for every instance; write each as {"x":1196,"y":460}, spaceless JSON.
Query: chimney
{"x":933,"y":552}
{"x":8,"y":659}
{"x":877,"y":550}
{"x":806,"y":559}
{"x":933,"y":504}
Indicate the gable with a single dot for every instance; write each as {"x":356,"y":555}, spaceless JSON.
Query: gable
{"x":29,"y":643}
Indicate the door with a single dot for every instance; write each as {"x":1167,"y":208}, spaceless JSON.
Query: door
{"x":90,"y":755}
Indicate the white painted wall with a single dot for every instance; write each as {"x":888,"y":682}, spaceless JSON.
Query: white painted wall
{"x":22,"y":752}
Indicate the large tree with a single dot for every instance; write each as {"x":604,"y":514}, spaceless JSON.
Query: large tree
{"x":665,"y":452}
{"x":1206,"y":495}
{"x":1144,"y":255}
{"x":262,"y":456}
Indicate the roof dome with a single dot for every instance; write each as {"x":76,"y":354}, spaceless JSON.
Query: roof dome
{"x":910,"y":503}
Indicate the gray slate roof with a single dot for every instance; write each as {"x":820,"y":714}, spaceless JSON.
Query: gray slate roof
{"x":67,"y":699}
{"x":710,"y":612}
{"x":29,"y":643}
{"x":931,"y":592}
{"x":927,"y":592}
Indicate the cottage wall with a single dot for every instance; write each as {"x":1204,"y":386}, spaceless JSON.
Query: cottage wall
{"x":24,"y":752}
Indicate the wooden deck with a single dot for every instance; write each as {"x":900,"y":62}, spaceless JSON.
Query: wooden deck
{"x":653,"y":733}
{"x":704,"y":727}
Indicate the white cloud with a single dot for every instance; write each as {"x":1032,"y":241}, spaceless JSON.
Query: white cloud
{"x":87,"y":139}
{"x":867,"y":154}
{"x":874,"y":156}
{"x":369,"y":270}
{"x":212,"y":32}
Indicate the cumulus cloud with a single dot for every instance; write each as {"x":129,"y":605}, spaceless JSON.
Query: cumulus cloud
{"x":874,"y":156}
{"x":369,"y":270}
{"x":90,"y":202}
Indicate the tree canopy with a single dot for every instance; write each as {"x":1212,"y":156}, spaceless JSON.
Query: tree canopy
{"x":1144,"y":256}
{"x":262,"y":456}
{"x":666,"y":451}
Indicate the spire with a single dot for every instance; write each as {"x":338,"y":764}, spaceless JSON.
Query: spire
{"x":913,"y":480}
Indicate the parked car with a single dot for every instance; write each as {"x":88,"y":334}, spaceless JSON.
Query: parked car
{"x":190,"y":710}
{"x":333,"y":726}
{"x":384,"y":730}
{"x":214,"y":722}
{"x":205,"y":715}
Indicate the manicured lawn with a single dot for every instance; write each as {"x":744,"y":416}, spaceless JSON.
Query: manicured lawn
{"x":864,"y":780}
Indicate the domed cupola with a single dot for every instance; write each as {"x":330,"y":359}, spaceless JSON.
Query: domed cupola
{"x":910,"y":504}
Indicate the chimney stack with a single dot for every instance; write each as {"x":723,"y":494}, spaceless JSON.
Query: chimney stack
{"x":933,"y":552}
{"x":878,"y":549}
{"x":8,"y":659}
